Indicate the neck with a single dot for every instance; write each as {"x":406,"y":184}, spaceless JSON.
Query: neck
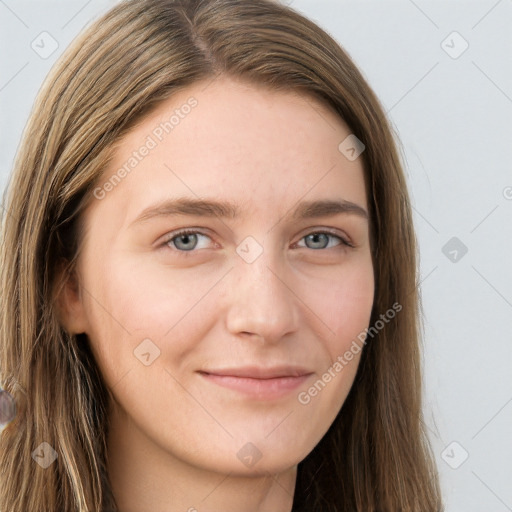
{"x":146,"y":477}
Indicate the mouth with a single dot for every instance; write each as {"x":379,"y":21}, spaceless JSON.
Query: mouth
{"x":258,"y":382}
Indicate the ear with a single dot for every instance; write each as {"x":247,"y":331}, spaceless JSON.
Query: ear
{"x":69,"y":302}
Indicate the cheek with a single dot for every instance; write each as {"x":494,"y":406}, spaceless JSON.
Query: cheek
{"x":129,"y":301}
{"x":351,"y":305}
{"x":342,"y":304}
{"x":345,"y":308}
{"x":343,"y":301}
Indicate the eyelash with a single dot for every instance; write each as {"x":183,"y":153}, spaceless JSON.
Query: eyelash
{"x":171,"y":236}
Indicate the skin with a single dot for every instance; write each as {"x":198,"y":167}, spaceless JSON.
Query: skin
{"x":174,"y":435}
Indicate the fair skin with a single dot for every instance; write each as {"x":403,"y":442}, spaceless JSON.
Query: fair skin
{"x":178,"y":437}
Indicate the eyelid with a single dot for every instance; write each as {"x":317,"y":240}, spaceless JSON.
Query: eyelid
{"x":345,"y":239}
{"x":168,"y":237}
{"x":164,"y":241}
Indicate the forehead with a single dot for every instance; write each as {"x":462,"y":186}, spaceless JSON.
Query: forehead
{"x":237,"y":141}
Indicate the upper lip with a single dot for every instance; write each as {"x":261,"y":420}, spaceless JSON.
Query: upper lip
{"x":259,"y":372}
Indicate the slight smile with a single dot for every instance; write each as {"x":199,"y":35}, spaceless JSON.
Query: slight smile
{"x":259,"y":383}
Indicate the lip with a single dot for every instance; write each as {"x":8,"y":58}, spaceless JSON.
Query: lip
{"x":257,"y":382}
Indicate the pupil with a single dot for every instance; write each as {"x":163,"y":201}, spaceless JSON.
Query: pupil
{"x":315,"y":237}
{"x":186,"y":239}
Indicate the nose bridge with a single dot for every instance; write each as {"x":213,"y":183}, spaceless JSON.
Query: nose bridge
{"x":261,"y":302}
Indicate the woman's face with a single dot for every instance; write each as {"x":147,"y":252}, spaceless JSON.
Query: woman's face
{"x":212,"y":342}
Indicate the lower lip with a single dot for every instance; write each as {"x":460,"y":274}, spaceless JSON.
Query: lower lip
{"x":263,"y":389}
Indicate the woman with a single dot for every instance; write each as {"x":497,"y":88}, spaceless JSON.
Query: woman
{"x":260,"y":368}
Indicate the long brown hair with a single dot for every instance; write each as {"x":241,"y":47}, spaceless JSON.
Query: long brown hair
{"x":376,"y":455}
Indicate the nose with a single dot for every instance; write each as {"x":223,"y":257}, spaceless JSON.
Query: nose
{"x":261,"y":302}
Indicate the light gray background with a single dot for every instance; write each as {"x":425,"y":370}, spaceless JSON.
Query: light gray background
{"x":453,"y":114}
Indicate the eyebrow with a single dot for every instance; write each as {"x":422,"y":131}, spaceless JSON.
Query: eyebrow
{"x":227,"y":210}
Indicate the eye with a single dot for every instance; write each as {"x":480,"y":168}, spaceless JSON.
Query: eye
{"x":320,"y":240}
{"x":187,"y":240}
{"x":184,"y":241}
